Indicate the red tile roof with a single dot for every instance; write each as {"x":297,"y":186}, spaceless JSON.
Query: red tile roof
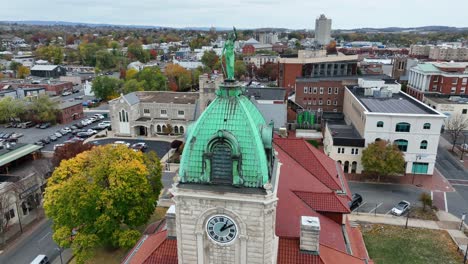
{"x":165,"y":253}
{"x":154,"y":249}
{"x":289,"y":253}
{"x":325,"y":202}
{"x":357,"y":242}
{"x":313,"y":160}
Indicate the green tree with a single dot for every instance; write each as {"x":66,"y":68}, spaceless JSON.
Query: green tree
{"x":14,"y":66}
{"x":426,"y":200}
{"x":133,"y":85}
{"x":209,"y":59}
{"x":52,"y":53}
{"x":106,"y":87}
{"x":154,"y":79}
{"x":11,"y":108}
{"x":117,"y":189}
{"x":136,"y":51}
{"x":105,"y":60}
{"x":240,"y":69}
{"x":44,"y":109}
{"x":383,"y":158}
{"x":87,"y":53}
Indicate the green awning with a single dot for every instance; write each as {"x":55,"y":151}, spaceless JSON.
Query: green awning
{"x":18,"y":153}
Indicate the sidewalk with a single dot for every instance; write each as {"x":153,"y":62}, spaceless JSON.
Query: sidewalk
{"x":67,"y":255}
{"x":446,"y":222}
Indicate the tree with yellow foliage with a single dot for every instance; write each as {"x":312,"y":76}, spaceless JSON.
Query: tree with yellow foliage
{"x":100,"y":197}
{"x":23,"y":72}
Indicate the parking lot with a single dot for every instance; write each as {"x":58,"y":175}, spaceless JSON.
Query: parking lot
{"x":160,"y":147}
{"x":33,"y":134}
{"x":383,"y":197}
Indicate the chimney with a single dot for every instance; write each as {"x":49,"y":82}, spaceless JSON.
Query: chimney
{"x":171,"y":222}
{"x":310,"y":234}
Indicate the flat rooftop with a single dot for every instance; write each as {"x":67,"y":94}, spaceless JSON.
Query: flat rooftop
{"x":344,"y":135}
{"x":340,"y":78}
{"x":399,"y":103}
{"x":448,"y":100}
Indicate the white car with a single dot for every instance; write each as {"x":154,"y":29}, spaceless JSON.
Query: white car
{"x":67,"y":93}
{"x":464,"y":146}
{"x":91,"y":131}
{"x":99,"y":116}
{"x":120,"y":142}
{"x":58,"y":134}
{"x":104,"y":125}
{"x":56,"y":146}
{"x":401,"y":208}
{"x":65,"y":130}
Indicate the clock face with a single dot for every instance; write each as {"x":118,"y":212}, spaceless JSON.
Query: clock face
{"x":221,"y":229}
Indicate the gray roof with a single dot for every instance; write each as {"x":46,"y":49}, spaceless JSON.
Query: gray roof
{"x":339,"y":78}
{"x":397,"y":104}
{"x":43,"y":67}
{"x":344,"y":135}
{"x":265,"y":93}
{"x":67,"y":104}
{"x":162,"y":97}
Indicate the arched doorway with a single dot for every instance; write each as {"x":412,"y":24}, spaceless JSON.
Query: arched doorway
{"x":181,"y":130}
{"x":353,"y":167}
{"x":176,"y":129}
{"x":346,"y":167}
{"x":158,"y":129}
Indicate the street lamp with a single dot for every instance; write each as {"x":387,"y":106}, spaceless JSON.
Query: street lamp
{"x":462,"y":220}
{"x":60,"y":253}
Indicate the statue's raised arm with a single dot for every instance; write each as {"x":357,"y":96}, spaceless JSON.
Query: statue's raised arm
{"x":229,"y":55}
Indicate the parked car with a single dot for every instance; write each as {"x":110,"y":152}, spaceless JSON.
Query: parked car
{"x":76,"y":131}
{"x":27,"y":124}
{"x":355,"y":202}
{"x":40,"y":259}
{"x":52,"y":138}
{"x":80,"y":97}
{"x":45,"y":125}
{"x":78,"y":125}
{"x":16,"y":135}
{"x":99,"y":116}
{"x":401,"y":208}
{"x":6,"y":135}
{"x":84,"y":134}
{"x":8,"y":125}
{"x":92,"y":119}
{"x":140,"y":146}
{"x":76,"y":90}
{"x":2,"y":133}
{"x":58,"y":134}
{"x":56,"y":146}
{"x":38,"y":125}
{"x":104,"y":125}
{"x":39,"y":143}
{"x":121,"y":142}
{"x":45,"y":140}
{"x":464,"y":146}
{"x":66,"y":93}
{"x":65,"y":130}
{"x":73,"y":127}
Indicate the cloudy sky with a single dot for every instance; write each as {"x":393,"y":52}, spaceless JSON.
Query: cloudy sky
{"x":295,"y":14}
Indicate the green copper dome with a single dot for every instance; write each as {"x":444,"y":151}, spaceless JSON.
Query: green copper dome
{"x":229,"y":144}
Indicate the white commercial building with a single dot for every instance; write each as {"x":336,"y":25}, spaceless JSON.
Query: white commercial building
{"x":259,"y":60}
{"x":323,"y":30}
{"x":448,"y":105}
{"x":373,"y":114}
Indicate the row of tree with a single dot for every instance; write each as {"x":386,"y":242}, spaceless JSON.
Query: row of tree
{"x":40,"y":109}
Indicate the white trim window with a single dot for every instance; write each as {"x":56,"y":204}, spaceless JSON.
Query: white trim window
{"x":163,"y":112}
{"x":180,"y":113}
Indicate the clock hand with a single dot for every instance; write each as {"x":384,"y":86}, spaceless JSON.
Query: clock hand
{"x":226,"y":227}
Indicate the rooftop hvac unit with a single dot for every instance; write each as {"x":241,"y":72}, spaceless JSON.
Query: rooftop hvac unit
{"x":369,"y":92}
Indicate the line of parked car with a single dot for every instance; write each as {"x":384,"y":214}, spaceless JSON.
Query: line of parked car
{"x":400,"y":209}
{"x":77,"y":131}
{"x":139,"y":146}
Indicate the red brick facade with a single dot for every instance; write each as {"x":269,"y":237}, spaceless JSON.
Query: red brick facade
{"x":71,"y":113}
{"x":52,"y":88}
{"x":248,"y":50}
{"x":287,"y":75}
{"x":322,"y":95}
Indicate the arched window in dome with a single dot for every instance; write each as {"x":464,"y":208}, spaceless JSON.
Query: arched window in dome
{"x":221,"y":163}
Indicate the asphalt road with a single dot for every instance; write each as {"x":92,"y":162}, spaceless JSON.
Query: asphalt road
{"x":39,"y":242}
{"x":384,"y":196}
{"x":452,"y":169}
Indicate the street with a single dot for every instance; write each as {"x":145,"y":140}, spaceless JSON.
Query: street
{"x":38,"y":242}
{"x":160,"y":147}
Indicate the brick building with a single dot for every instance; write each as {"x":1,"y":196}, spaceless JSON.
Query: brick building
{"x":248,"y":50}
{"x":448,"y":78}
{"x":314,"y":64}
{"x":326,"y":94}
{"x":52,"y":87}
{"x":69,"y":111}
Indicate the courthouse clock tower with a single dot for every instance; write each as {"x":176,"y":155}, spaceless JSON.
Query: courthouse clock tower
{"x":225,"y":197}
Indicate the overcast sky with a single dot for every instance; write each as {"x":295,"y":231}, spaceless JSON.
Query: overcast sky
{"x":294,"y":14}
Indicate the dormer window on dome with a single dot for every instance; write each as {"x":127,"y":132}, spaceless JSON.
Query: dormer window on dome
{"x":222,"y":159}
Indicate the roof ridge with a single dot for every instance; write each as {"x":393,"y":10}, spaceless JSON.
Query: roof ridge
{"x":313,"y":149}
{"x":337,"y":250}
{"x":342,"y":203}
{"x":300,"y":164}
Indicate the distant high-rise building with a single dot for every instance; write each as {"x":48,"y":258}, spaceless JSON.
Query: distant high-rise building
{"x":323,"y":30}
